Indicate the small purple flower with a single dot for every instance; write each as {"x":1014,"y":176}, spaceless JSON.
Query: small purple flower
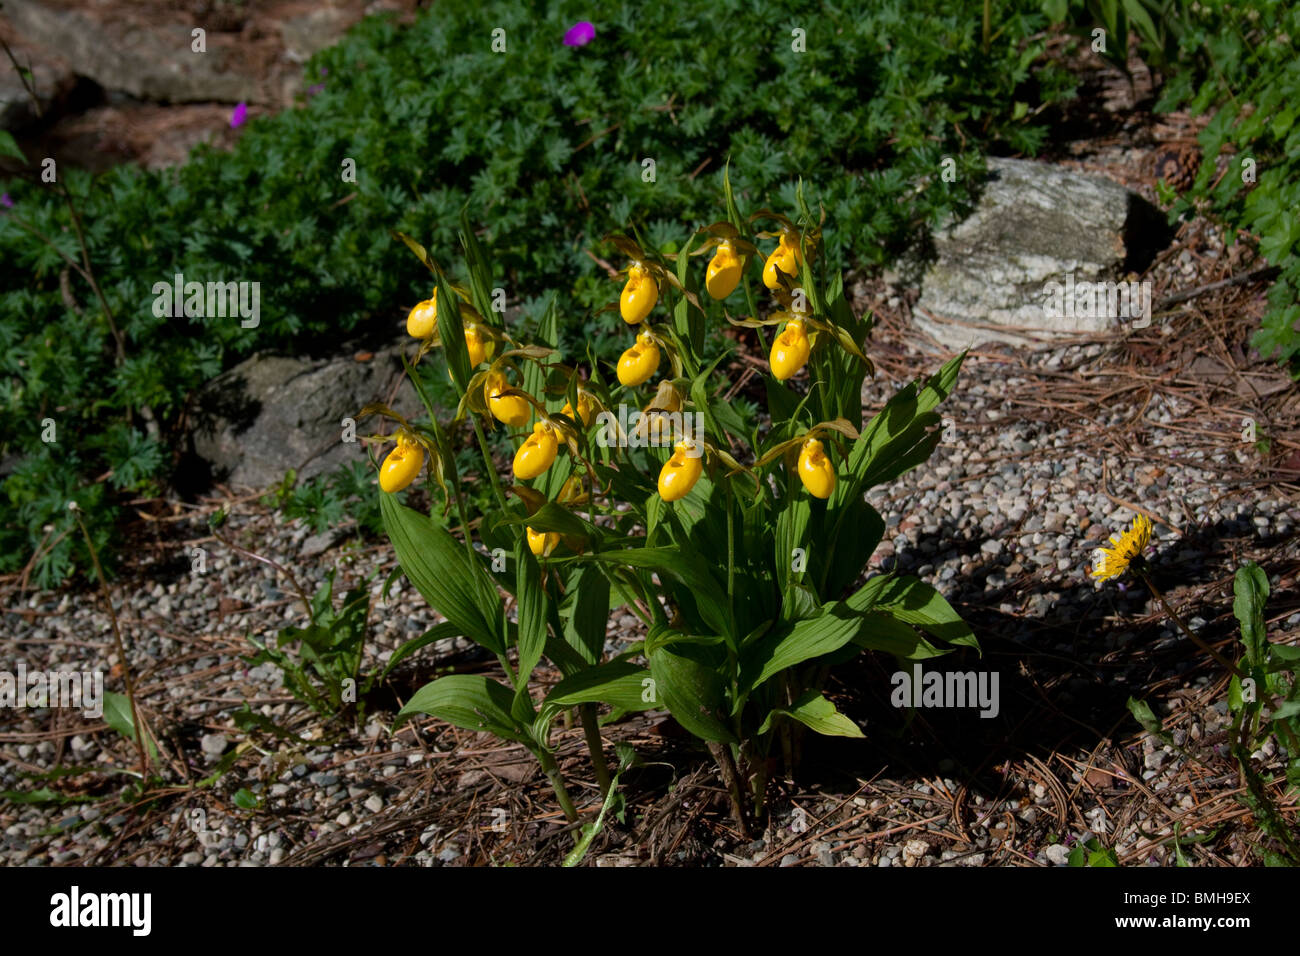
{"x":315,"y":88}
{"x":580,"y":34}
{"x":6,"y":201}
{"x":239,"y":115}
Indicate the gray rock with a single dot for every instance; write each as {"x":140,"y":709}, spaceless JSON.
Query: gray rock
{"x":1057,"y":854}
{"x":449,"y":852}
{"x":273,"y":413}
{"x":914,"y":851}
{"x":213,"y":744}
{"x":1034,"y":224}
{"x":311,"y":32}
{"x":1039,"y":606}
{"x":153,"y":63}
{"x":318,"y":544}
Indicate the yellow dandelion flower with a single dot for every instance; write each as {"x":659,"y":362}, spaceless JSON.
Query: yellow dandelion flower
{"x":1124,"y":549}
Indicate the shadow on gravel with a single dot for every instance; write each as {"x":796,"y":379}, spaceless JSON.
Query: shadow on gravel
{"x":1062,"y":686}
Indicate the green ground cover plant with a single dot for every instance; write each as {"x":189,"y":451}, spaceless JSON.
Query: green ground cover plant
{"x":546,"y":145}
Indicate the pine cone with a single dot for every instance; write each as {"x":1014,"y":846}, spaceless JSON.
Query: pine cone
{"x":1177,"y":165}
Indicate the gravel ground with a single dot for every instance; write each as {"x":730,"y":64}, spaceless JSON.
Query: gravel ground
{"x":1002,"y":519}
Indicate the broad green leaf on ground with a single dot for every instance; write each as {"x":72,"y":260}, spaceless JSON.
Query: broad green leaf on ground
{"x":117,"y":714}
{"x":912,"y":601}
{"x":816,"y":712}
{"x":1250,"y":592}
{"x":469,"y":701}
{"x":437,"y":564}
{"x":690,"y":689}
{"x":812,"y":637}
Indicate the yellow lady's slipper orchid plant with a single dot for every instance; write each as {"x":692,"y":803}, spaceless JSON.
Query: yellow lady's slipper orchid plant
{"x":639,"y":295}
{"x":724,"y":271}
{"x":477,"y":344}
{"x":512,"y":410}
{"x":537,"y":453}
{"x":402,"y":466}
{"x":423,"y":317}
{"x":640,"y":361}
{"x":785,"y":258}
{"x":542,"y":543}
{"x":816,"y":470}
{"x":683,"y":470}
{"x":742,"y":544}
{"x":584,"y":409}
{"x":790,"y":350}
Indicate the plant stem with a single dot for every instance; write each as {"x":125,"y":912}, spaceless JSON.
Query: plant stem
{"x":90,"y":276}
{"x":750,"y":302}
{"x":302,"y":595}
{"x":591,"y":729}
{"x":121,"y":649}
{"x":1222,"y":661}
{"x":557,"y":784}
{"x":731,"y":777}
{"x":783,"y":726}
{"x":488,"y":463}
{"x":731,"y":556}
{"x":760,"y":788}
